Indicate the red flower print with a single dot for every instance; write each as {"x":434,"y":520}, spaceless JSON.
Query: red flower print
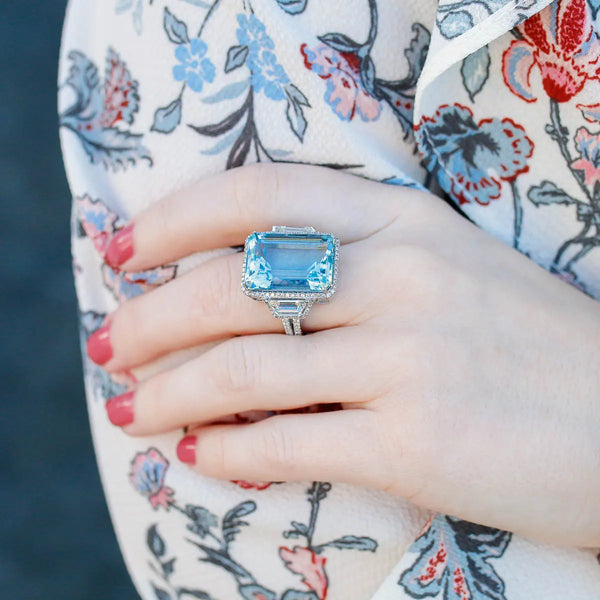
{"x":303,"y":561}
{"x":472,"y":158}
{"x":102,"y":110}
{"x":461,"y":588}
{"x":120,"y":93}
{"x":345,"y":92}
{"x":251,"y":485}
{"x":435,"y":567}
{"x":562,"y":43}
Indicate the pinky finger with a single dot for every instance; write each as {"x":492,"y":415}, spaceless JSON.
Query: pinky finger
{"x":340,"y":446}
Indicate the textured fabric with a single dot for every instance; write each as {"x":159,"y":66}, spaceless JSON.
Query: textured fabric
{"x":494,"y":103}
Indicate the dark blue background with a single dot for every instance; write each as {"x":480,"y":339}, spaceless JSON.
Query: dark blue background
{"x":56,"y":539}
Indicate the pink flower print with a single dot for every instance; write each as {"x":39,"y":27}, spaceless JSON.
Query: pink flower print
{"x":561,"y":42}
{"x":590,"y":112}
{"x":97,"y":221}
{"x":100,"y":223}
{"x":345,"y":92}
{"x":148,"y":470}
{"x":588,"y":162}
{"x":125,"y":285}
{"x":305,"y":562}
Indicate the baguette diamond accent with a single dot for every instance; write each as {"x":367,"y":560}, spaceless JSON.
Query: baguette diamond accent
{"x":290,"y":268}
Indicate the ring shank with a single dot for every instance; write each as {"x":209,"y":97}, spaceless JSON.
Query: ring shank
{"x":291,"y":325}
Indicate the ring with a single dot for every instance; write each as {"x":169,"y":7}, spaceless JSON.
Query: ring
{"x":290,"y":268}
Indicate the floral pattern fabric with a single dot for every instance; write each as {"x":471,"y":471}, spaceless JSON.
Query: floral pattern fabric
{"x":492,"y":105}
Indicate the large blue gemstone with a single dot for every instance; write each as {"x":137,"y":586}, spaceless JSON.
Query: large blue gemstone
{"x":289,"y":262}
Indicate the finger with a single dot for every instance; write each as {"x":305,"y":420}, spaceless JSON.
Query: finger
{"x":263,"y":372}
{"x":342,"y":446}
{"x":207,"y":304}
{"x":224,"y":209}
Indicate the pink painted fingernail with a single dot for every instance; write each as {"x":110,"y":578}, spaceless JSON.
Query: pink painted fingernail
{"x":120,"y":247}
{"x":186,"y":450}
{"x":120,"y":409}
{"x":99,"y":348}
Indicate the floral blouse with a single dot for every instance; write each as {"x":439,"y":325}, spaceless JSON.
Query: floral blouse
{"x":491,"y":104}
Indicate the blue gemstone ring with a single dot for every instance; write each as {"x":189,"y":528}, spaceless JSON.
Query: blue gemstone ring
{"x":290,"y":268}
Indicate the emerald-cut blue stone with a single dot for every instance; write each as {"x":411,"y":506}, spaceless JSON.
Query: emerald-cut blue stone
{"x":289,"y":262}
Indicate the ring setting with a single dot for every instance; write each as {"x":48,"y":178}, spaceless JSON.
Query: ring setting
{"x":290,"y":268}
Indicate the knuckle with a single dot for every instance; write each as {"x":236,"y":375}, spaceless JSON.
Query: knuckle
{"x":248,"y":187}
{"x":272,"y":180}
{"x":240,"y":371}
{"x":212,"y":293}
{"x":400,"y":462}
{"x":151,"y":397}
{"x":131,"y":331}
{"x":277,"y":449}
{"x":154,"y":393}
{"x":422,"y":276}
{"x":162,"y":212}
{"x":221,"y":462}
{"x":255,"y":188}
{"x":417,"y":207}
{"x":419,"y":259}
{"x":214,"y":446}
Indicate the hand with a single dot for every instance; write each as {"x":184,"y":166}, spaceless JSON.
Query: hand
{"x":464,"y":370}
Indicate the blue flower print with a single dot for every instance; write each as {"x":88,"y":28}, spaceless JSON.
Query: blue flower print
{"x":470,"y":159}
{"x":195,"y":68}
{"x":252,"y":33}
{"x":269,"y":76}
{"x":266,"y":73}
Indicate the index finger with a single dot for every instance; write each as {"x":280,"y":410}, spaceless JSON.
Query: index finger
{"x":224,"y":209}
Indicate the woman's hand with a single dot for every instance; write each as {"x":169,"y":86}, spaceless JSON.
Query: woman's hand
{"x":466,"y":372}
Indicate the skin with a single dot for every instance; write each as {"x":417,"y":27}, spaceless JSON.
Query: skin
{"x":464,"y":369}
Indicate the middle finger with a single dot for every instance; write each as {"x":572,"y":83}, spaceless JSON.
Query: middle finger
{"x":208,"y":304}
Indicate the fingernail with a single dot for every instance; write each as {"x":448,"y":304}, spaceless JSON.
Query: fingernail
{"x":186,"y":450}
{"x":120,"y":247}
{"x":120,"y":409}
{"x":99,"y":348}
